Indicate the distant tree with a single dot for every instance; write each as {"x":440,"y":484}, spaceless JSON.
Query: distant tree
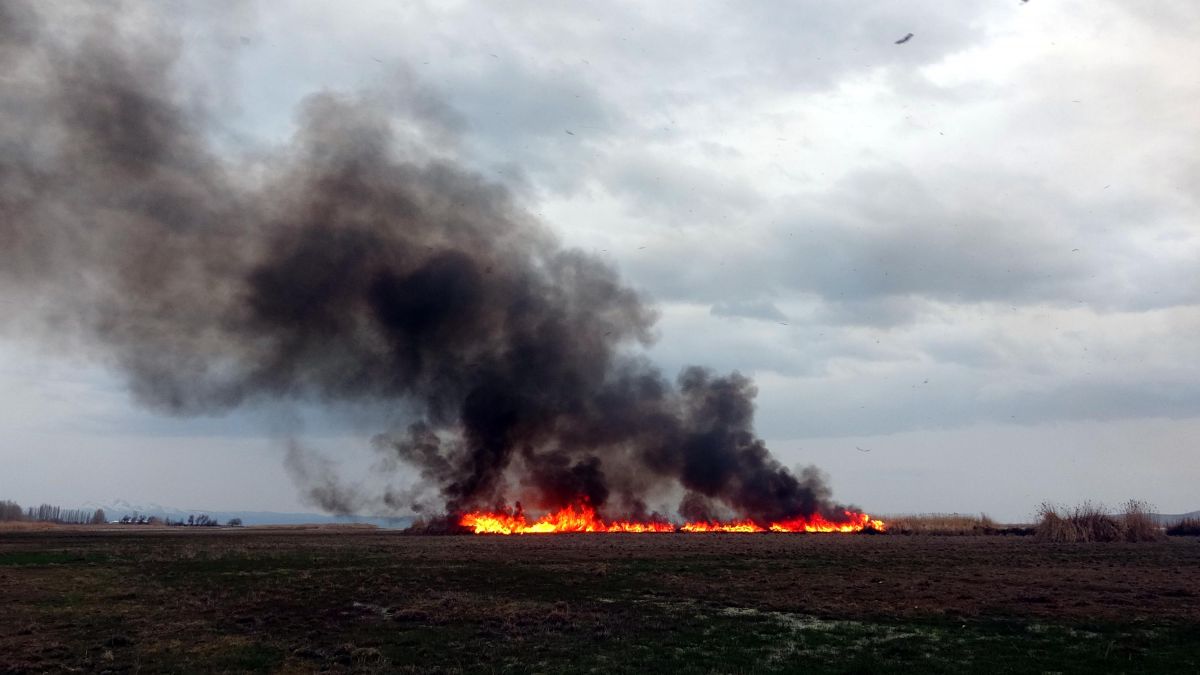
{"x":45,"y":513}
{"x":191,"y":520}
{"x":48,"y":513}
{"x":11,"y":511}
{"x":98,"y":517}
{"x":74,"y":516}
{"x":234,"y":522}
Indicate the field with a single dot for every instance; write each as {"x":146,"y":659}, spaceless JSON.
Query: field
{"x":374,"y":601}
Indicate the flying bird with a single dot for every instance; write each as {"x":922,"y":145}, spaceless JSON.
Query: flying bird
{"x":904,"y":39}
{"x":572,"y":133}
{"x":861,"y":449}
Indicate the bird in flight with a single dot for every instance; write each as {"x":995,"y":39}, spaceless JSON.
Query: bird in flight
{"x":861,"y":449}
{"x":904,"y":39}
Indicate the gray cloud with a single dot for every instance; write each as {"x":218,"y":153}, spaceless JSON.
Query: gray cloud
{"x":912,"y":212}
{"x":749,"y":309}
{"x":882,"y":240}
{"x":673,"y":193}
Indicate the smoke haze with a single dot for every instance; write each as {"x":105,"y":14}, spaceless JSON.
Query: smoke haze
{"x":353,"y":266}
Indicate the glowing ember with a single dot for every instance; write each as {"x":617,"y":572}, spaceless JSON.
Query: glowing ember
{"x":583,"y":518}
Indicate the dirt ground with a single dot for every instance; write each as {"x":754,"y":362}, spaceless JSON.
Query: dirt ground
{"x":295,"y":600}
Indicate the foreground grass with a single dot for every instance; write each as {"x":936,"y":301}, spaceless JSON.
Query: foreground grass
{"x":726,"y":603}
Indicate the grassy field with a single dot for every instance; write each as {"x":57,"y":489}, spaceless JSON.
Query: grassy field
{"x":372,"y":601}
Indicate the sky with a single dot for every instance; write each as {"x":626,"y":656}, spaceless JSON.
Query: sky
{"x":962,"y":270}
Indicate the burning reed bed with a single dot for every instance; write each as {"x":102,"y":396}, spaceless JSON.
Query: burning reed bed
{"x":1089,"y":522}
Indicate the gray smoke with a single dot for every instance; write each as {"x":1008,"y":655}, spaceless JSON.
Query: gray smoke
{"x":350,"y":267}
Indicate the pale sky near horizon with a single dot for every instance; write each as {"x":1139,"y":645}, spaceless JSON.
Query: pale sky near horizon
{"x":962,"y":270}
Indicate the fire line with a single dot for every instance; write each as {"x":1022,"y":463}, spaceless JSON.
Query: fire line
{"x":582,"y":518}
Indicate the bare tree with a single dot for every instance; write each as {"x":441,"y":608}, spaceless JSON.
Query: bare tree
{"x":10,"y":511}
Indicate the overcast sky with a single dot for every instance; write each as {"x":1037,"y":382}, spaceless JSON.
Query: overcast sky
{"x":963,"y":270}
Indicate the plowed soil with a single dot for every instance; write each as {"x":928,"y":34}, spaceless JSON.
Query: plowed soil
{"x":365,"y":600}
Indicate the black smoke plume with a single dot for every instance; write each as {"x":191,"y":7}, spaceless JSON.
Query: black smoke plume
{"x":350,"y":267}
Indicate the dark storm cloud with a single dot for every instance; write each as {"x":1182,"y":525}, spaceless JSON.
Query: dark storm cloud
{"x":353,"y":266}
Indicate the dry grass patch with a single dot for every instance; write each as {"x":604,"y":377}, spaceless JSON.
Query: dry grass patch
{"x":941,"y":524}
{"x":1090,"y":522}
{"x":28,"y":526}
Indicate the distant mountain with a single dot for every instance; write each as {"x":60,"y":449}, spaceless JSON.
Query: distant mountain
{"x":119,"y":508}
{"x":1169,"y":519}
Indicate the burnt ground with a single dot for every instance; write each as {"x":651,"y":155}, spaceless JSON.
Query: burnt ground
{"x":364,"y":600}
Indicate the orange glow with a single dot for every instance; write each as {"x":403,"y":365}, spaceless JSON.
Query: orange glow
{"x":855,"y":522}
{"x":583,"y":518}
{"x":732,"y":526}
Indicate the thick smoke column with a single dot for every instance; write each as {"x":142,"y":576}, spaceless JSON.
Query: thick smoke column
{"x":349,"y":267}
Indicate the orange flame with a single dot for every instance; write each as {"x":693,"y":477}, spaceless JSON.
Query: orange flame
{"x":732,"y":526}
{"x":582,"y":518}
{"x":855,"y":522}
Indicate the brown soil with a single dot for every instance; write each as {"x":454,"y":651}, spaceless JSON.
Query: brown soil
{"x":181,"y":599}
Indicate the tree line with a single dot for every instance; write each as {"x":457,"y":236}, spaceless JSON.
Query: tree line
{"x":49,"y":513}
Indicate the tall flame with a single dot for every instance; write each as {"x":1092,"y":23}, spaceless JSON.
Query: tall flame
{"x":855,"y":522}
{"x":582,"y":518}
